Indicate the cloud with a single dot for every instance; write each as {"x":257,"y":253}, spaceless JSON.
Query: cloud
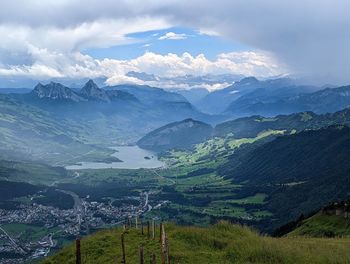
{"x":208,"y":32}
{"x":77,"y":66}
{"x":173,"y":36}
{"x":311,"y":37}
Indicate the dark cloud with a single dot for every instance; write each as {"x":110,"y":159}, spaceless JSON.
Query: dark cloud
{"x":312,"y":36}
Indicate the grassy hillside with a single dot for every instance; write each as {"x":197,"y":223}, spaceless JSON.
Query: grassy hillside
{"x":222,"y":243}
{"x":299,"y":173}
{"x":321,"y":225}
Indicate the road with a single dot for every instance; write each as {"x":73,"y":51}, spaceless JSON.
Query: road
{"x":78,"y":205}
{"x":148,"y":206}
{"x":12,"y":240}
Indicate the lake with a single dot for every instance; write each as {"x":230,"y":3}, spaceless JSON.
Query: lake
{"x":133,"y":157}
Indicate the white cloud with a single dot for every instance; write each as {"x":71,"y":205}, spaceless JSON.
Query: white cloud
{"x":312,"y":37}
{"x":309,"y":36}
{"x":173,"y":36}
{"x":20,"y":42}
{"x":74,"y":65}
{"x":208,"y":32}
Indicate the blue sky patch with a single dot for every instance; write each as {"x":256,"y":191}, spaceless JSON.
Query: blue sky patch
{"x":181,"y":40}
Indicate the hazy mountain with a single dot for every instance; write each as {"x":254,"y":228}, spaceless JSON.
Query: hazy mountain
{"x":322,"y":101}
{"x":30,"y":132}
{"x":250,"y":91}
{"x":149,"y":95}
{"x":56,"y":91}
{"x":217,"y":101}
{"x":326,"y":100}
{"x":181,"y":134}
{"x":115,"y":95}
{"x":193,"y":95}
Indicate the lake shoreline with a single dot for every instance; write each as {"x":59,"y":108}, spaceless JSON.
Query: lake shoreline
{"x":124,"y":157}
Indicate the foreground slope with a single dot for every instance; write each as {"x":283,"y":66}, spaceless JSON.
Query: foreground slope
{"x":222,"y":243}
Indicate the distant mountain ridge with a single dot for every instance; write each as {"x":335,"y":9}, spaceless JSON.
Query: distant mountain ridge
{"x":290,"y":100}
{"x":251,"y":90}
{"x":296,"y":122}
{"x":89,"y":92}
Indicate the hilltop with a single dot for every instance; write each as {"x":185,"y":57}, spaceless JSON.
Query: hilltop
{"x":182,"y":134}
{"x":221,"y":243}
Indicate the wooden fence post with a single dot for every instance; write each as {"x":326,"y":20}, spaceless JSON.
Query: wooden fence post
{"x":163,"y":245}
{"x":153,"y":230}
{"x":142,"y":260}
{"x":77,"y":251}
{"x":123,"y":249}
{"x":167,"y":249}
{"x":160,"y":232}
{"x":148,"y":231}
{"x":141,"y":228}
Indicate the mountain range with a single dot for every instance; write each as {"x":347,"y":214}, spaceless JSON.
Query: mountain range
{"x":123,"y":114}
{"x":90,"y":116}
{"x":253,"y":90}
{"x":246,"y":127}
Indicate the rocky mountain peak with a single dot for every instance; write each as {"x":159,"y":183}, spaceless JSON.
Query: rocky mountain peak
{"x":55,"y":91}
{"x":92,"y":91}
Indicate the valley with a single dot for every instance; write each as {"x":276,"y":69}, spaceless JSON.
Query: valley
{"x":93,"y":157}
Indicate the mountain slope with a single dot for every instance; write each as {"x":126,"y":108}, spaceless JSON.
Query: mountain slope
{"x":323,"y":225}
{"x":323,"y":101}
{"x":28,"y":132}
{"x":181,"y":134}
{"x":222,"y":243}
{"x":299,"y":173}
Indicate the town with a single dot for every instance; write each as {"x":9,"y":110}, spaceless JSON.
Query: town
{"x":85,"y":217}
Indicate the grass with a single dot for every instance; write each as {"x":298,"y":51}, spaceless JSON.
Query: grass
{"x":321,"y":225}
{"x":222,"y":243}
{"x":256,"y":199}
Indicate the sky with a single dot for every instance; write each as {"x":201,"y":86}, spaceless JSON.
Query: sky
{"x":70,"y":39}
